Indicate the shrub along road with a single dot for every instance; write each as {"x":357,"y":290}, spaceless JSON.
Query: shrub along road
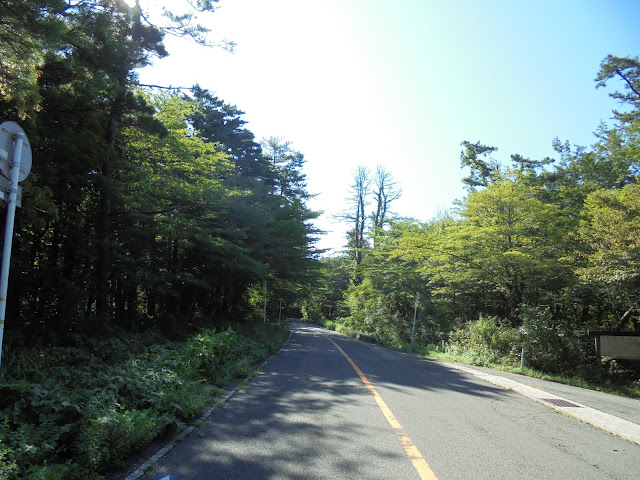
{"x":328,"y":406}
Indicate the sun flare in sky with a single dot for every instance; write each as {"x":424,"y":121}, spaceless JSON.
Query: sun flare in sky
{"x":402,"y":84}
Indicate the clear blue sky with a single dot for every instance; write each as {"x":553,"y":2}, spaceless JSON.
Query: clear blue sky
{"x":403,"y":83}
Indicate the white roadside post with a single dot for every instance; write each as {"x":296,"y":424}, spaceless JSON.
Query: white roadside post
{"x":265,"y":301}
{"x":415,"y":313}
{"x":15,"y":163}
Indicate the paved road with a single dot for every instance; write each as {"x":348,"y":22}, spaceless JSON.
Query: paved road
{"x":328,"y":406}
{"x":626,"y":408}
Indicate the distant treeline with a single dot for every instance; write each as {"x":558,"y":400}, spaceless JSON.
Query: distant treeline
{"x":537,"y":245}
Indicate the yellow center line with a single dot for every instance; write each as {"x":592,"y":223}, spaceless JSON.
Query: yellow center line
{"x":418,"y":461}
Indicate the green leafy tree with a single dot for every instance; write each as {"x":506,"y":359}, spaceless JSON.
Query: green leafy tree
{"x":611,"y":229}
{"x":28,"y":30}
{"x":287,"y":163}
{"x":506,"y":251}
{"x":327,"y":299}
{"x":218,"y":122}
{"x":177,"y":205}
{"x":483,"y":168}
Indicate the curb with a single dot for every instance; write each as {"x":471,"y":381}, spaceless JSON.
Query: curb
{"x":617,"y":426}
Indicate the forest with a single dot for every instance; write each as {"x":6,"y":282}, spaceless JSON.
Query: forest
{"x":158,"y":241}
{"x":156,"y":236}
{"x":146,"y":208}
{"x":538,"y":253}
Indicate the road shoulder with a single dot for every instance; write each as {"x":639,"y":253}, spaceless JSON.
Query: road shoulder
{"x":613,"y":424}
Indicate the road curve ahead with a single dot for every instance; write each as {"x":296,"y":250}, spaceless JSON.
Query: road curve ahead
{"x":328,"y":406}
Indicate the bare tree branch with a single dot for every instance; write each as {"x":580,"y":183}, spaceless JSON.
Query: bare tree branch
{"x":163,"y":87}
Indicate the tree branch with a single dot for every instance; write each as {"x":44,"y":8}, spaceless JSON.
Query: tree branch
{"x":620,"y":74}
{"x":161,"y":86}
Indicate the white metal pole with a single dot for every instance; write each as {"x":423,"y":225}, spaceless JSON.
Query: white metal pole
{"x":415,"y":313}
{"x":8,"y":232}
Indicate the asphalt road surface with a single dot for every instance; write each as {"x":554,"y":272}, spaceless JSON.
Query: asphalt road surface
{"x":328,"y":406}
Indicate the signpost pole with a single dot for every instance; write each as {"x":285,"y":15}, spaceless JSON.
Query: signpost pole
{"x":8,"y":232}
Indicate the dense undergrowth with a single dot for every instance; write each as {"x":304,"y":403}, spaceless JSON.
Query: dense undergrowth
{"x":73,"y":412}
{"x":551,"y":352}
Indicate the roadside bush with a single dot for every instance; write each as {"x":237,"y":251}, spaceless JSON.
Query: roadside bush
{"x":486,"y":341}
{"x":65,"y":471}
{"x":328,"y":324}
{"x":8,"y":466}
{"x":209,"y":352}
{"x":550,"y":348}
{"x":72,"y":412}
{"x":346,"y":330}
{"x":269,"y":336}
{"x":109,"y":434}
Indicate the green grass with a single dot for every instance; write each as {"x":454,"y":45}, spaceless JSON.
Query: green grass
{"x":328,"y":324}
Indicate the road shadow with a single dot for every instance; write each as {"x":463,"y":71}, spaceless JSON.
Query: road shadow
{"x":399,"y":371}
{"x":304,"y":416}
{"x":309,"y":415}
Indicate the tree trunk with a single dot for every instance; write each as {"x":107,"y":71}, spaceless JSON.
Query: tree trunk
{"x":104,"y":218}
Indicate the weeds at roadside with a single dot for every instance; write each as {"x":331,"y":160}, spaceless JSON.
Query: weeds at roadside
{"x":72,"y":412}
